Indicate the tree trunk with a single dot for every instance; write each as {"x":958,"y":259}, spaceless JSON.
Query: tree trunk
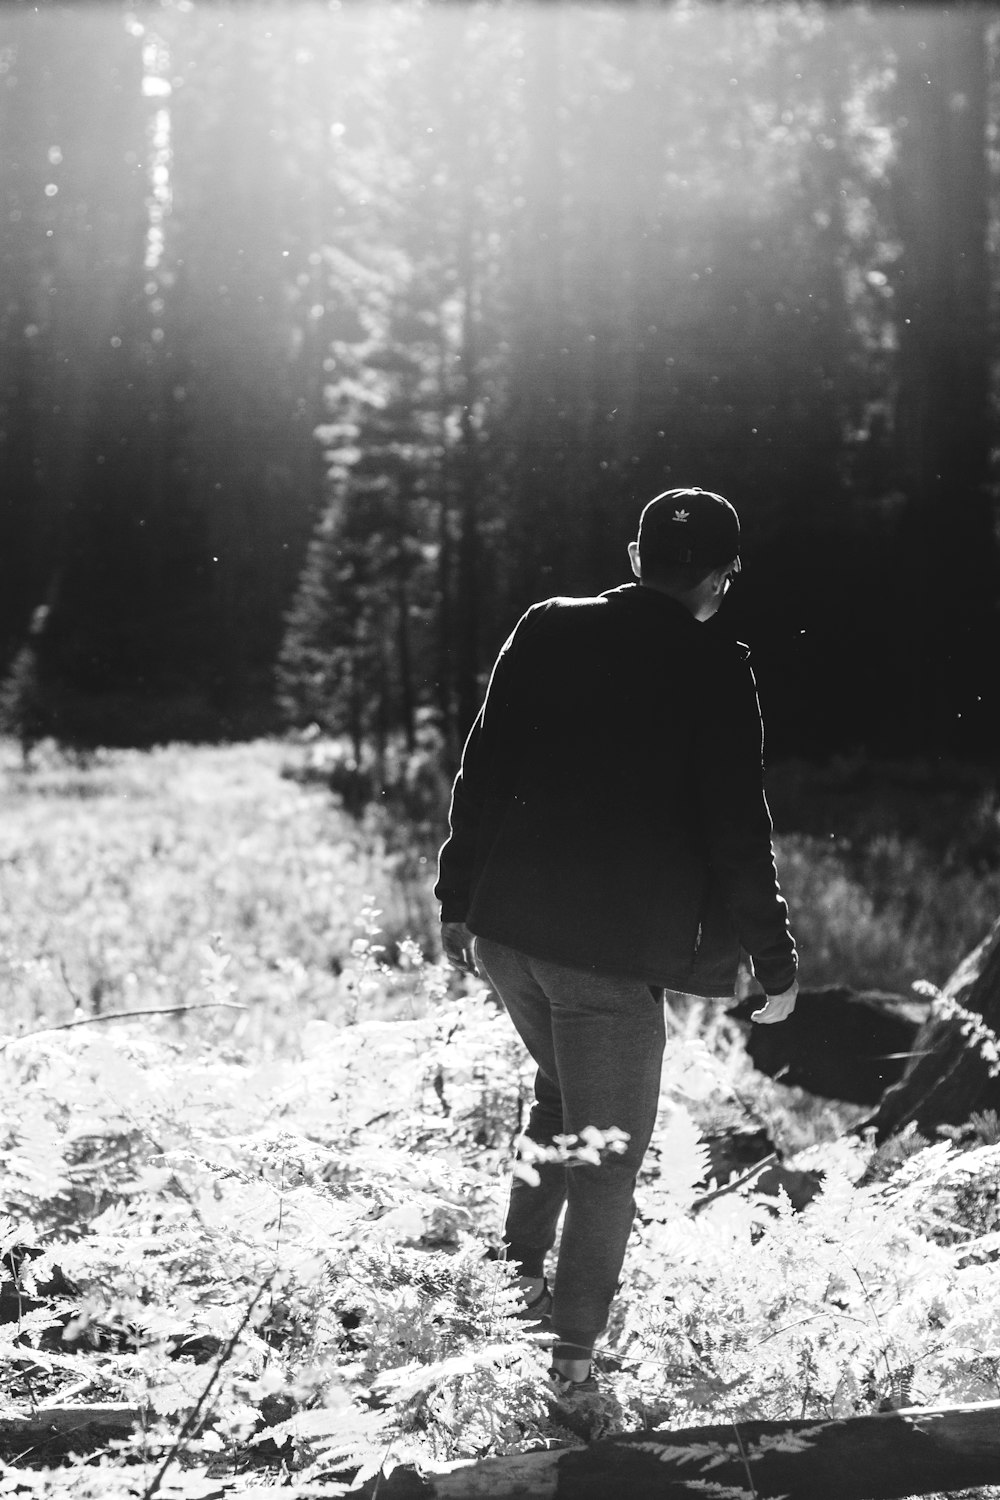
{"x":468,"y":477}
{"x":948,"y":1078}
{"x":467,"y":595}
{"x":910,"y":1452}
{"x":444,"y":627}
{"x":404,"y":659}
{"x":51,"y":1432}
{"x":536,"y":539}
{"x":940,"y":201}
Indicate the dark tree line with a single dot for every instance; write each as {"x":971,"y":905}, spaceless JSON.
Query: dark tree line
{"x":332,"y":338}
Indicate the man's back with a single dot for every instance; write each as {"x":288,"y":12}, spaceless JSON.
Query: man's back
{"x":589,"y":776}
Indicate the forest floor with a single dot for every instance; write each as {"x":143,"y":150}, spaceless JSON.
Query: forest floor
{"x":256,"y":1144}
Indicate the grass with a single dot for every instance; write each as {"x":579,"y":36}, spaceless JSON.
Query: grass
{"x":116,"y":876}
{"x":141,"y":880}
{"x":892,"y":871}
{"x":155,"y":879}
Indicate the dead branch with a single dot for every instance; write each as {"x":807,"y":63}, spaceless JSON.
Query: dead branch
{"x":55,"y":1430}
{"x":916,"y":1451}
{"x":736,"y":1183}
{"x":191,"y":1420}
{"x":123,"y":1015}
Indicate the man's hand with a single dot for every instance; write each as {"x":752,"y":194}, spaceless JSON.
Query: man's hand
{"x":777,"y":1007}
{"x":457,"y":941}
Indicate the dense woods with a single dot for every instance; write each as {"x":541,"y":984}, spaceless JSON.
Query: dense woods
{"x":332,"y":337}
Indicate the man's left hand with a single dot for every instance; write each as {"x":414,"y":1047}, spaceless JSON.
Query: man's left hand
{"x":777,"y":1007}
{"x":457,"y":941}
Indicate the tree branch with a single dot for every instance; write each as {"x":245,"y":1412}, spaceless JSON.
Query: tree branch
{"x":124,"y":1015}
{"x":916,"y":1451}
{"x":736,"y":1184}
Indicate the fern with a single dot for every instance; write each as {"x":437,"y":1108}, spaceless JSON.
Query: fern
{"x":357,"y":1163}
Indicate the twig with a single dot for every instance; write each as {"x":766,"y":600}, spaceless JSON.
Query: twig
{"x":809,"y":1318}
{"x":70,"y":1392}
{"x":381,"y":1468}
{"x":503,"y":1251}
{"x":191,"y":1419}
{"x":746,"y":1464}
{"x":277,"y":1244}
{"x":749,"y":1109}
{"x":735,"y":1185}
{"x":874,"y":1312}
{"x":890,"y":1056}
{"x":65,"y":977}
{"x":125,"y":1015}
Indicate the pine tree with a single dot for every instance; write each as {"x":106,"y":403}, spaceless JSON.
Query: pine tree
{"x":355,"y":658}
{"x":25,"y":712}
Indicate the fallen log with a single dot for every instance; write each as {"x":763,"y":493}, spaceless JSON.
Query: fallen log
{"x":54,"y":1431}
{"x":948,"y":1078}
{"x":915,"y":1451}
{"x":838,"y":1043}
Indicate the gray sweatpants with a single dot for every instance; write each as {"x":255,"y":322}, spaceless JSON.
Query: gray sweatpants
{"x":598,"y":1043}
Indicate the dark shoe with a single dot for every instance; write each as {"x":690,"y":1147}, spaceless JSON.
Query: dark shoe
{"x":583,"y":1408}
{"x":538,"y":1311}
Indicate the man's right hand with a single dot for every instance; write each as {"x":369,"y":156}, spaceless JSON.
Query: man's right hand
{"x":777,"y":1007}
{"x":457,"y":941}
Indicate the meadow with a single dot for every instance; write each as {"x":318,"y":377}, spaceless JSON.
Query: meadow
{"x":256,"y":1141}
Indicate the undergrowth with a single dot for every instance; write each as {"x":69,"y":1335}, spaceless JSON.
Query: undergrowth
{"x":349,"y":1194}
{"x":272,"y":1220}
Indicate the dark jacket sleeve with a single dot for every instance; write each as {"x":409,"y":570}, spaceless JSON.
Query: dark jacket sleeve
{"x":489,"y":768}
{"x":737,"y":820}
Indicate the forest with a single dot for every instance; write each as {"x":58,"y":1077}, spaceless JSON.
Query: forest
{"x":333,"y":335}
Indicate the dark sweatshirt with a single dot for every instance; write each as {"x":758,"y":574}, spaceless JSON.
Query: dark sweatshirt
{"x":609,"y":813}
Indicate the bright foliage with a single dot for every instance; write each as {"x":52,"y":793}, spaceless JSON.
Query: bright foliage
{"x":340,"y":1177}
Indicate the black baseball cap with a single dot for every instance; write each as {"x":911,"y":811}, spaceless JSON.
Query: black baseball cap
{"x":689,"y":526}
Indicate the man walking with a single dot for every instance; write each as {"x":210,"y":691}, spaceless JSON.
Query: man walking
{"x":609,"y":838}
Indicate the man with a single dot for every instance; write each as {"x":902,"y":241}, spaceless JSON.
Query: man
{"x":609,"y":838}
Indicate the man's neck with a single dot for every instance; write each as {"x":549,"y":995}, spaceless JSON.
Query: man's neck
{"x":690,"y":600}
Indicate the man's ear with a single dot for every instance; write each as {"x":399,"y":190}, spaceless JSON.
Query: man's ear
{"x":633,"y":557}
